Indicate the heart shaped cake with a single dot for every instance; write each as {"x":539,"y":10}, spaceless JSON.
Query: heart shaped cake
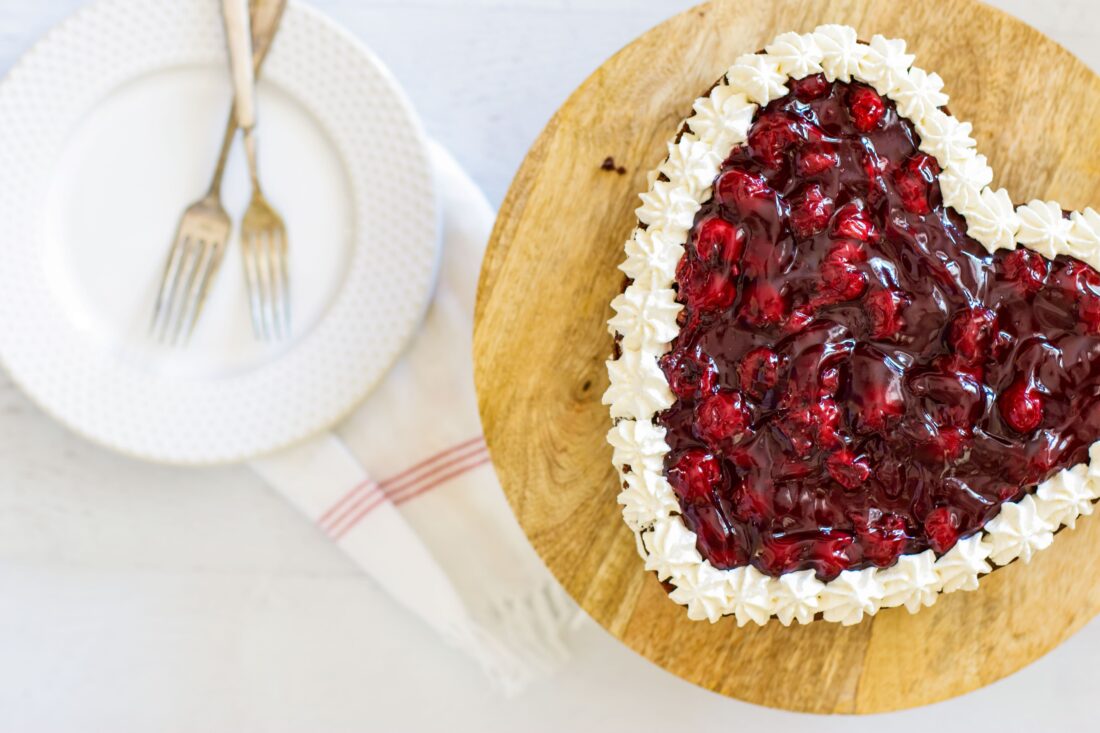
{"x":848,"y":374}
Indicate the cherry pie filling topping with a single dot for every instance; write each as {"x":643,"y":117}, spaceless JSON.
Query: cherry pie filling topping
{"x":855,"y":377}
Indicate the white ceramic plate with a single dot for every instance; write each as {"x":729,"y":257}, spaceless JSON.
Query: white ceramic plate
{"x":109,"y":126}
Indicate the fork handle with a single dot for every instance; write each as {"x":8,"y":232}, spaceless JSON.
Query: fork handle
{"x":238,"y":37}
{"x":265,"y":16}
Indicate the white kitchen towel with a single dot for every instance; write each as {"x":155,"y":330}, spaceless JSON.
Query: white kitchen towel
{"x":405,"y":485}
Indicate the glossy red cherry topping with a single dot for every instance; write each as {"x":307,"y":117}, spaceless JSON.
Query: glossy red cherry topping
{"x":942,"y":526}
{"x":815,"y":158}
{"x":811,"y":212}
{"x":1026,"y":268}
{"x":866,"y":108}
{"x":913,"y":181}
{"x":882,"y":536}
{"x":1021,"y":406}
{"x":721,"y":419}
{"x":758,"y":372}
{"x":691,"y":373}
{"x":695,"y":475}
{"x":853,"y":221}
{"x":884,"y":311}
{"x":718,"y":240}
{"x":856,"y":378}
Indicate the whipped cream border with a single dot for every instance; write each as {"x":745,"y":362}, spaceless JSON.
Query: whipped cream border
{"x":645,"y":322}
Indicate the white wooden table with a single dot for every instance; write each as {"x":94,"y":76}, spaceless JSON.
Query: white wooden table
{"x":140,"y":598}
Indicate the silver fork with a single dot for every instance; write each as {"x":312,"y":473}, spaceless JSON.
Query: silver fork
{"x":203,"y":231}
{"x":263,"y":233}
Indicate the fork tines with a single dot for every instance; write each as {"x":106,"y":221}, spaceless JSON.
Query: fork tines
{"x":192,"y":262}
{"x":264,"y":247}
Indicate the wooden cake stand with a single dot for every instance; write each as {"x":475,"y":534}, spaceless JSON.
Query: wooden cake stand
{"x":541,"y":340}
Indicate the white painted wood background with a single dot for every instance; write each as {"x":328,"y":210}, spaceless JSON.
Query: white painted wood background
{"x":141,"y":598}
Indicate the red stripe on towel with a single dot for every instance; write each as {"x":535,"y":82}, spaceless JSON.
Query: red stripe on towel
{"x":393,"y":487}
{"x":367,"y":485}
{"x":366,"y":493}
{"x":441,"y":480}
{"x":473,"y":461}
{"x":396,"y":489}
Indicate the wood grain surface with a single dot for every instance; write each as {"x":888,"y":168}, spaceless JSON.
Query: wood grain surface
{"x":541,"y":341}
